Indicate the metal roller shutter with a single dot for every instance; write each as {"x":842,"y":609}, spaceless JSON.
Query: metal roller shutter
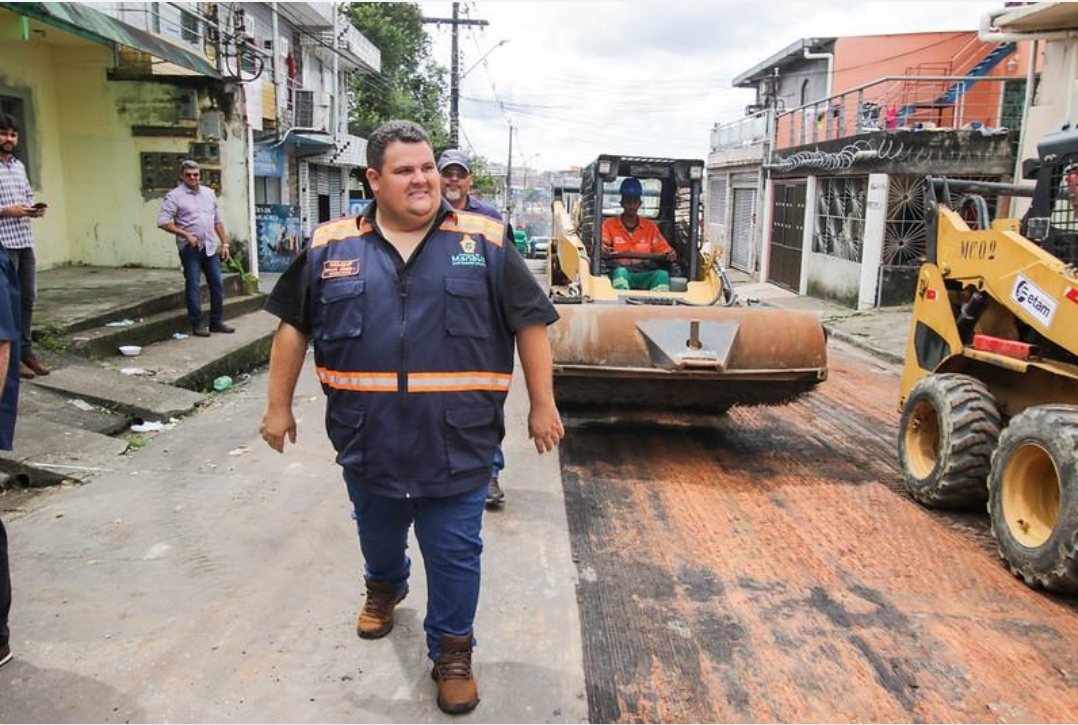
{"x":741,"y":229}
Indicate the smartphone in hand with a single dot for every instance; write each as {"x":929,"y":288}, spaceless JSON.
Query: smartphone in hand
{"x":41,"y":205}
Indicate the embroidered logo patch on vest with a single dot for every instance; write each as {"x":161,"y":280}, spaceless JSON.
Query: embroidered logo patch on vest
{"x":468,"y":256}
{"x":333,"y":268}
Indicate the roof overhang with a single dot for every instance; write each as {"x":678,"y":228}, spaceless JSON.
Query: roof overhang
{"x":793,"y":52}
{"x":82,"y":20}
{"x":306,"y":142}
{"x":309,"y":142}
{"x":1037,"y":18}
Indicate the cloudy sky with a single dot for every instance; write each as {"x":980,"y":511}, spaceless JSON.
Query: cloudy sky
{"x":645,"y":78}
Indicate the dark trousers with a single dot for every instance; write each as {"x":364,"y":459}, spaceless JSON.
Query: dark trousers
{"x":26,"y":267}
{"x":195,"y":264}
{"x":5,"y":586}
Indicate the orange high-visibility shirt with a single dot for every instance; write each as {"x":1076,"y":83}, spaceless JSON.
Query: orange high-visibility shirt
{"x":645,"y":239}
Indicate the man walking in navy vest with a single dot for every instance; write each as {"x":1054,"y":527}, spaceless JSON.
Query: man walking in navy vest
{"x":414,"y":309}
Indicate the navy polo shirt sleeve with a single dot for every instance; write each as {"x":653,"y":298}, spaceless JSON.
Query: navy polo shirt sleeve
{"x":524,"y":302}
{"x":290,"y":297}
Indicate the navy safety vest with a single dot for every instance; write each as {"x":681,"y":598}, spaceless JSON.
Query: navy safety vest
{"x":415,"y":363}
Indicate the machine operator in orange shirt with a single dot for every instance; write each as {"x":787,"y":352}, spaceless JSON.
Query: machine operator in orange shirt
{"x":631,"y":233}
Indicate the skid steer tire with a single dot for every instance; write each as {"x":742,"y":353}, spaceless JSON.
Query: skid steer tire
{"x":1033,"y":497}
{"x":946,"y":434}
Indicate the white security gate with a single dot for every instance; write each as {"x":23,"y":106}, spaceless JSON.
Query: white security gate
{"x":741,"y":229}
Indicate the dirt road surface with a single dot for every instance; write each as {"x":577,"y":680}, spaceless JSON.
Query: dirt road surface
{"x":770,"y":567}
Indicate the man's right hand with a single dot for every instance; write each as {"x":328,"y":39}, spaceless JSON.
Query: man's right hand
{"x":276,"y":425}
{"x":18,"y":211}
{"x":192,"y":240}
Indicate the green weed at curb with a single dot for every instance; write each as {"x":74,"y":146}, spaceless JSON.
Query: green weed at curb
{"x":134,"y":443}
{"x":50,"y":336}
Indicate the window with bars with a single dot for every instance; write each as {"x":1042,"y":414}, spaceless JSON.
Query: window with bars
{"x":189,"y":28}
{"x":716,"y":199}
{"x":840,"y":217}
{"x":904,"y":233}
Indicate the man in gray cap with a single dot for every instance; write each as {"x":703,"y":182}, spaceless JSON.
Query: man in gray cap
{"x":457,"y":179}
{"x":456,"y":170}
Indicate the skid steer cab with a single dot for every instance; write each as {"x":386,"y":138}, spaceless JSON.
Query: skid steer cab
{"x":989,"y":393}
{"x":689,"y":348}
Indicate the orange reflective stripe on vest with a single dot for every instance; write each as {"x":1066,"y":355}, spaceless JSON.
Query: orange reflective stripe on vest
{"x":362,"y":382}
{"x":458,"y":381}
{"x":417,"y":382}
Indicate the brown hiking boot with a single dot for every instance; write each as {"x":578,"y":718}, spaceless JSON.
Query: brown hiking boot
{"x":458,"y":692}
{"x":376,"y":618}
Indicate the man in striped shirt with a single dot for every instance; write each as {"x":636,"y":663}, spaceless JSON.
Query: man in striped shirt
{"x":17,"y":208}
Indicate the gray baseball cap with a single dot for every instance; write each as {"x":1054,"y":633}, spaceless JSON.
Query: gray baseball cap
{"x":450,"y":157}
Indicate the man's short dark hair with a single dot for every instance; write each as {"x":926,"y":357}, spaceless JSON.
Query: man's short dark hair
{"x":8,"y":123}
{"x":387,"y":133}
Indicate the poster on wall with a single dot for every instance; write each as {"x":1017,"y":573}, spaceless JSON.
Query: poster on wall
{"x":279,"y":237}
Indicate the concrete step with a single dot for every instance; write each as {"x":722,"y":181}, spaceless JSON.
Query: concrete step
{"x":194,"y":362}
{"x":104,"y":340}
{"x":76,"y":422}
{"x":139,"y":396}
{"x":67,"y":419}
{"x":47,"y":453}
{"x":55,"y":406}
{"x":72,"y":303}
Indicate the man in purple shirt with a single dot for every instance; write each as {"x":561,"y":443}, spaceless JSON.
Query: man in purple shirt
{"x":190,"y":212}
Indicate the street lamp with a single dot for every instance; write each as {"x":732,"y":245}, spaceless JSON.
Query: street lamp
{"x":483,"y":57}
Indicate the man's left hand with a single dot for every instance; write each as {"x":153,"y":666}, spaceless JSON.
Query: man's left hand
{"x":225,"y":253}
{"x":545,"y":427}
{"x":671,"y":255}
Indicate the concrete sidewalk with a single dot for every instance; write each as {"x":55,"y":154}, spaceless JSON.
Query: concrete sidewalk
{"x":881,"y":331}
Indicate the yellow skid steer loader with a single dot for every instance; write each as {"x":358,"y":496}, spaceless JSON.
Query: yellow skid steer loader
{"x":989,"y":393}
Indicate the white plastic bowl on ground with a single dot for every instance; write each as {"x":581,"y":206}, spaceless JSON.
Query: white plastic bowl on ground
{"x":130,"y":350}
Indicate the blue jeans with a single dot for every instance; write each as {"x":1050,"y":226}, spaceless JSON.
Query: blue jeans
{"x":448,"y":532}
{"x":196,"y":263}
{"x":26,"y":267}
{"x":499,"y":462}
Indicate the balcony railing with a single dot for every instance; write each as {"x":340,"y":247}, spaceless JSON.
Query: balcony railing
{"x":891,"y":103}
{"x":748,"y":131}
{"x":900,"y":102}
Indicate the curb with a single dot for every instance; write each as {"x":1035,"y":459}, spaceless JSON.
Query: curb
{"x":858,"y":341}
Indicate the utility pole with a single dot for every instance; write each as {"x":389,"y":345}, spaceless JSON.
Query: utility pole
{"x":509,"y":180}
{"x":454,"y":70}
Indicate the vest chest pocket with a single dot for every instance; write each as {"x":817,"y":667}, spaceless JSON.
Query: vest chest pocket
{"x":341,"y":310}
{"x":467,"y":309}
